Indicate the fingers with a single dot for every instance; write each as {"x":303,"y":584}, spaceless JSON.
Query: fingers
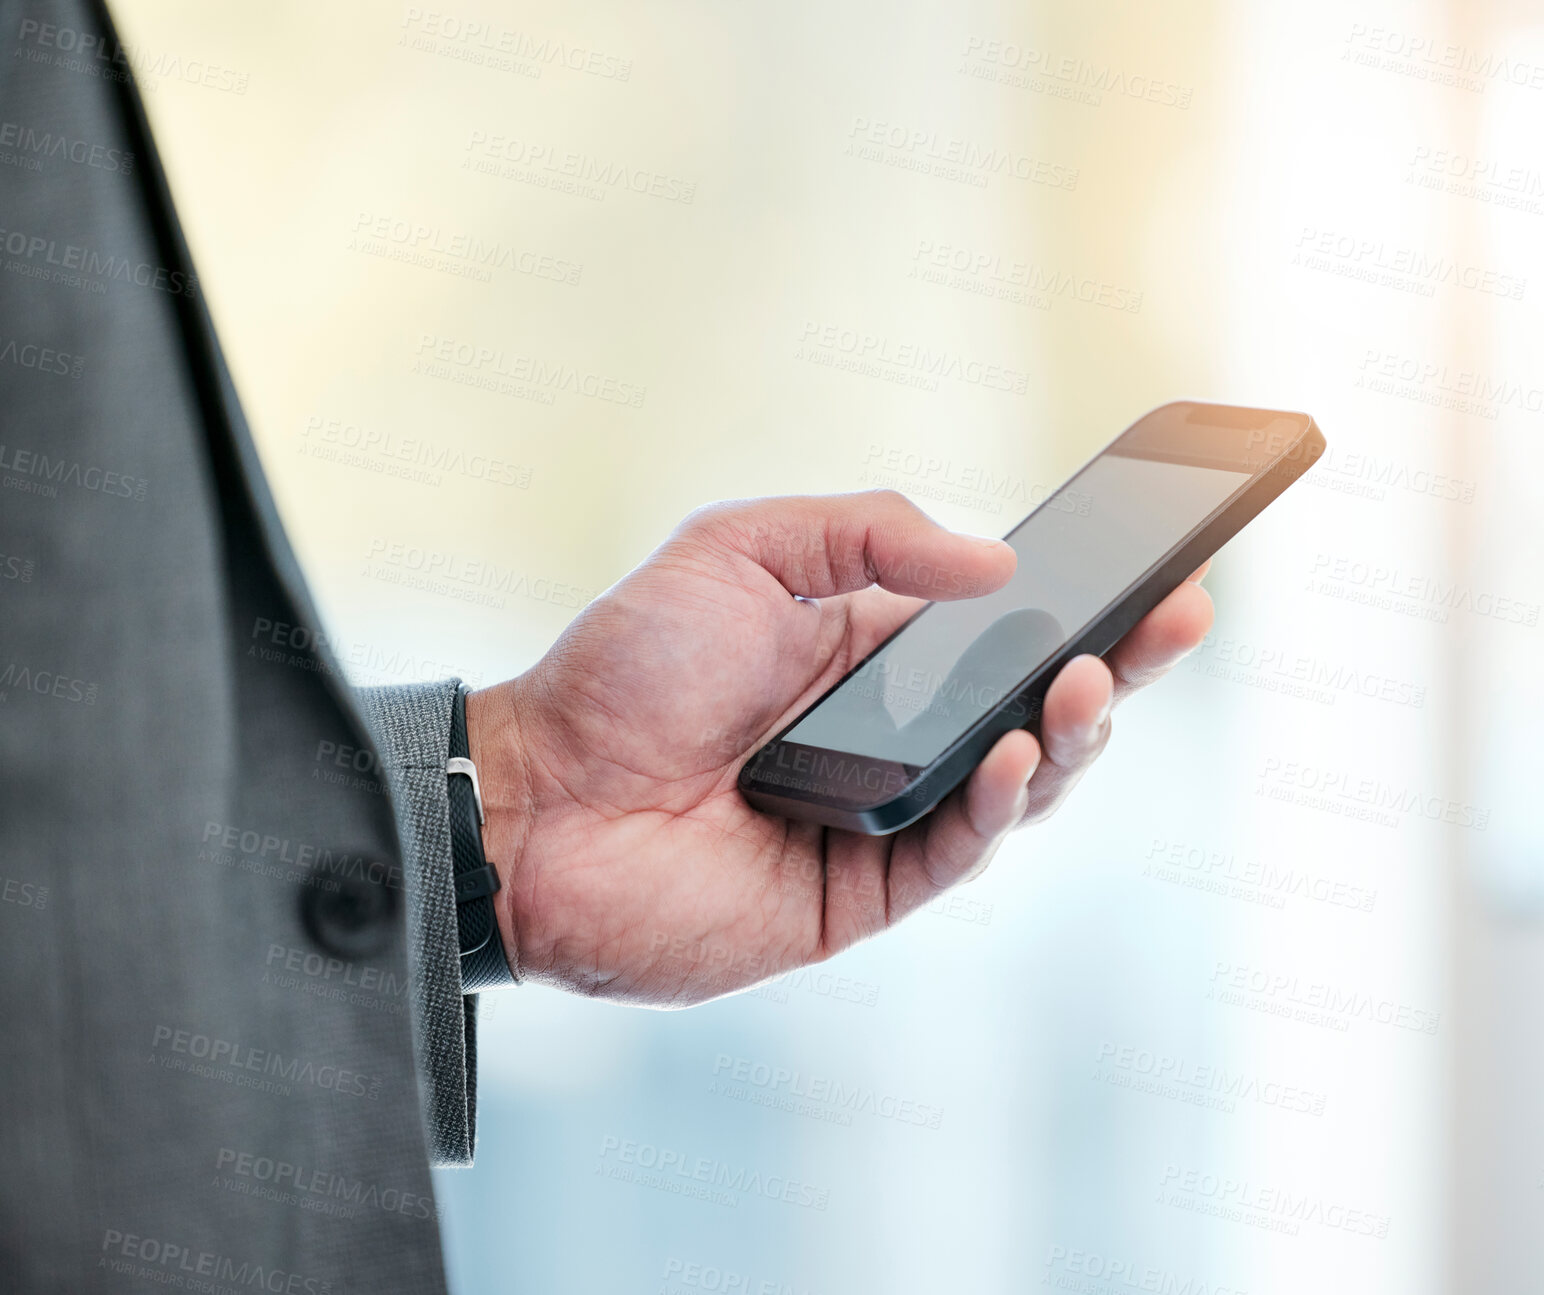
{"x":957,"y":840}
{"x":992,"y":803}
{"x":1075,"y":722}
{"x":1021,"y":780}
{"x":824,"y":545}
{"x":1074,"y":727}
{"x":1170,"y":631}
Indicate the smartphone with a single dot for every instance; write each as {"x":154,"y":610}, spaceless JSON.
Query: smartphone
{"x":907,"y":725}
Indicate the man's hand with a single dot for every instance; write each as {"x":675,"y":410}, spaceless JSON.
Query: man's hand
{"x":632,"y":868}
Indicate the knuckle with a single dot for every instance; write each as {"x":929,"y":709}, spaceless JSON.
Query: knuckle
{"x":707,"y":517}
{"x":721,"y":526}
{"x":887,"y":497}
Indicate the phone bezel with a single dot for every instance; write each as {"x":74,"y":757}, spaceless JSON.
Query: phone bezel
{"x":911,"y":791}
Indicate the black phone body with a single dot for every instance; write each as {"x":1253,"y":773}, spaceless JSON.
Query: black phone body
{"x":908,"y":723}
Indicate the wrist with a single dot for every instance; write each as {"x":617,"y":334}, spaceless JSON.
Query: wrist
{"x":495,"y":736}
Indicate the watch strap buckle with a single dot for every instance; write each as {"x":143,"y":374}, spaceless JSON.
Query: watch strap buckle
{"x":460,"y":764}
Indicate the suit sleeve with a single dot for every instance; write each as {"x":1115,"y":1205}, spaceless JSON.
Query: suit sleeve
{"x":411,"y":727}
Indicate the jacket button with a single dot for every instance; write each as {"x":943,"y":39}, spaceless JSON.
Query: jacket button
{"x":350,"y":916}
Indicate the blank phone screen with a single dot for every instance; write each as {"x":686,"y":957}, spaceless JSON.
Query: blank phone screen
{"x":1078,"y":552}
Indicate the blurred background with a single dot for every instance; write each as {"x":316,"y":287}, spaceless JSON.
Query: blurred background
{"x":508,"y":290}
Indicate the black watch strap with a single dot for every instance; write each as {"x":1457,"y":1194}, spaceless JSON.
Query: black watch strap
{"x":483,"y":964}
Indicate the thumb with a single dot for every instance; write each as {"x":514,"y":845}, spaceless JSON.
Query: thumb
{"x":816,"y":546}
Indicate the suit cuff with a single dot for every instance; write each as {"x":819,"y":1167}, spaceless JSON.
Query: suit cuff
{"x":411,"y":727}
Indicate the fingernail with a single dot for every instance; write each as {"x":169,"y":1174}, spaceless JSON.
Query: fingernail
{"x":985,"y":541}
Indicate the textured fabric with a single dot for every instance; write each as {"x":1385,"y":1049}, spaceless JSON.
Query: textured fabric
{"x":411,"y":726}
{"x":207,"y":1063}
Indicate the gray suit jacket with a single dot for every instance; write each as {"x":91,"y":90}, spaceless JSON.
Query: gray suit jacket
{"x":233,"y":1029}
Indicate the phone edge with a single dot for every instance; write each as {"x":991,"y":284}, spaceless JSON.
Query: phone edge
{"x":912,"y":804}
